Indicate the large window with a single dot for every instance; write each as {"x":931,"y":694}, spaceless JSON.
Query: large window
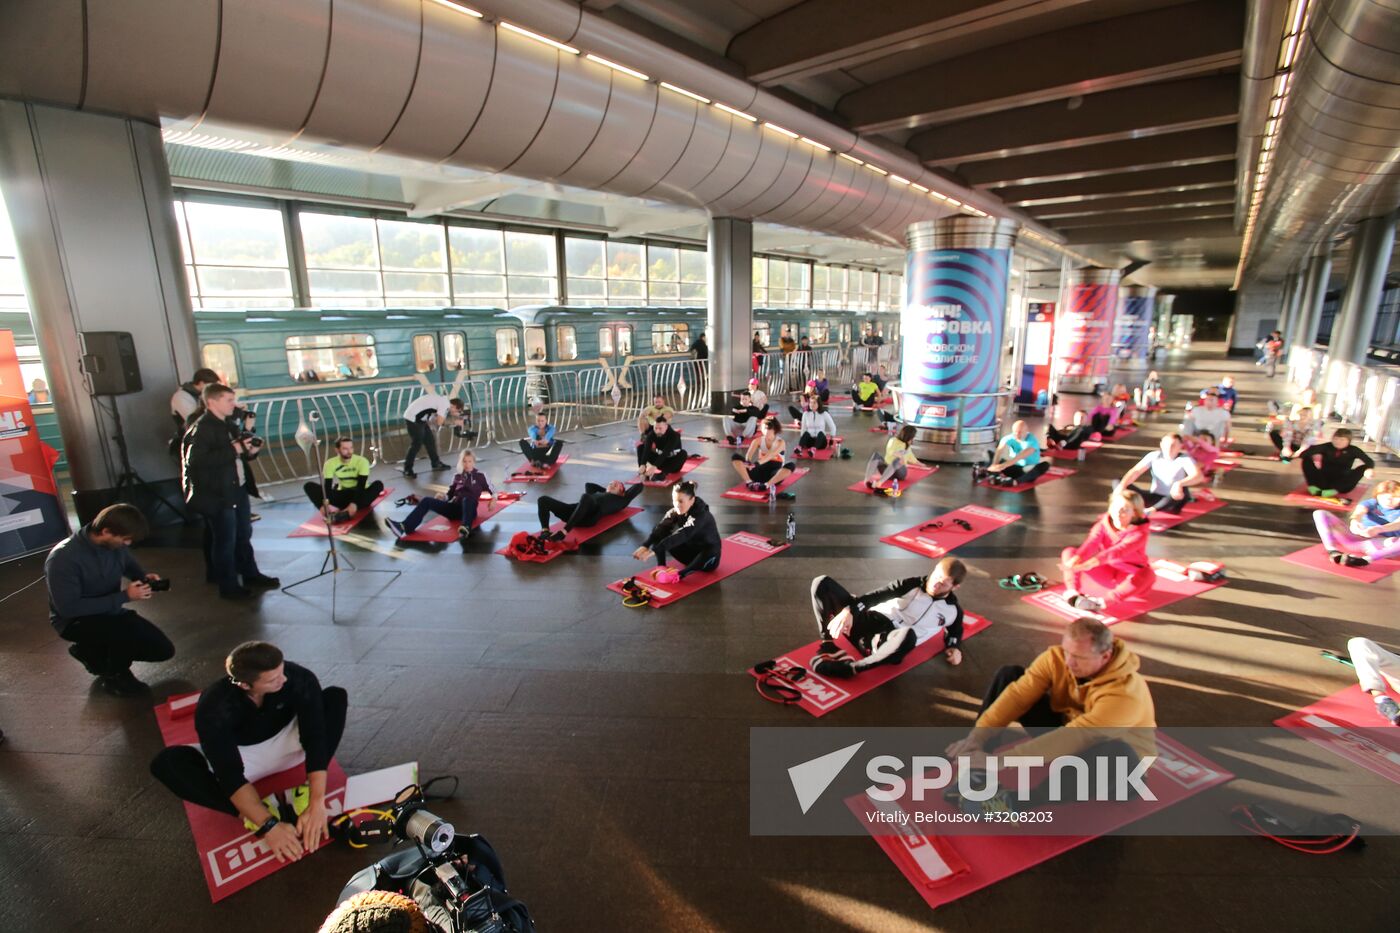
{"x":670,"y":338}
{"x":11,"y":277}
{"x":694,"y":277}
{"x":502,"y":267}
{"x":566,"y":341}
{"x":891,"y":292}
{"x":829,"y":287}
{"x":235,"y":255}
{"x":221,"y":358}
{"x":360,"y":262}
{"x":781,"y":283}
{"x":615,"y":340}
{"x":508,"y":346}
{"x":328,"y":357}
{"x":620,"y":273}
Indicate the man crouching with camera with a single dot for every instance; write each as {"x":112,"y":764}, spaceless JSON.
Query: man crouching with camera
{"x":214,"y":480}
{"x":87,"y":602}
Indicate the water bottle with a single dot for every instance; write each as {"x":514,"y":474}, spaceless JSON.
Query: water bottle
{"x":791,"y":527}
{"x":895,"y":488}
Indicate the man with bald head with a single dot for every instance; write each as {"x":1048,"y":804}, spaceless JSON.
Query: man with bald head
{"x":1016,"y":460}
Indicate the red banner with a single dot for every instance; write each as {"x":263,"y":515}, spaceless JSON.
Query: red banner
{"x":30,"y":515}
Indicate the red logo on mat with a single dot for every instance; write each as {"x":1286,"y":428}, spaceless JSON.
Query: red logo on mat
{"x":754,"y":541}
{"x":820,"y":692}
{"x":1176,"y":763}
{"x":248,"y":853}
{"x":1005,"y":517}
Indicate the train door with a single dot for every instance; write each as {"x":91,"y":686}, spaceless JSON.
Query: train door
{"x":439,"y":355}
{"x":615,"y":342}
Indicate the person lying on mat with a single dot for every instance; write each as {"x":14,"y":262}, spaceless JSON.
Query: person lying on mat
{"x":1087,"y":683}
{"x":1016,"y":460}
{"x":540,"y":448}
{"x":817,"y":427}
{"x":1378,"y":671}
{"x":660,"y":453}
{"x":1102,"y":419}
{"x":886,"y":624}
{"x":460,"y":502}
{"x":764,"y":466}
{"x":345,"y":488}
{"x":596,"y":503}
{"x":1172,"y":471}
{"x":865,"y":394}
{"x":1208,"y":416}
{"x":267,"y":715}
{"x":687,"y":532}
{"x":1372,"y":534}
{"x":1149,"y":394}
{"x":657,"y":409}
{"x":892,"y":466}
{"x":1114,"y":556}
{"x":1330,"y":469}
{"x":744,"y":419}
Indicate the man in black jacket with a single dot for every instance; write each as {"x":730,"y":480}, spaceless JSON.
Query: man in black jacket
{"x":185,"y":403}
{"x":660,"y":453}
{"x":87,"y":602}
{"x":211,"y":474}
{"x":596,"y":503}
{"x":887,"y":624}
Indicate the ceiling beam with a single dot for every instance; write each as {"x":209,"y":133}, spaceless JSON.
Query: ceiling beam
{"x":1196,"y":197}
{"x":1141,"y":48}
{"x":1193,"y":147}
{"x":1127,"y":113}
{"x":1163,"y":215}
{"x":1150,"y":181}
{"x":1182,"y":230}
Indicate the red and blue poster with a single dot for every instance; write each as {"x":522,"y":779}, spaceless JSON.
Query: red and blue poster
{"x":31,"y":518}
{"x":1084,"y":334}
{"x":1035,"y":362}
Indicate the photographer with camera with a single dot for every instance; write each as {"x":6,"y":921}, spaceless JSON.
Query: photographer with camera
{"x":87,"y":602}
{"x":421,"y":419}
{"x":186,"y":403}
{"x":213,"y":476}
{"x":345,"y":488}
{"x":267,"y":715}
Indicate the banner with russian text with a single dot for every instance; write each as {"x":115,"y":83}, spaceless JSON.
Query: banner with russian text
{"x":31,"y":518}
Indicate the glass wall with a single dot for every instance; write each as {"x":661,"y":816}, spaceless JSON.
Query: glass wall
{"x":12,"y":298}
{"x":619,"y":273}
{"x":235,"y":255}
{"x":781,"y":283}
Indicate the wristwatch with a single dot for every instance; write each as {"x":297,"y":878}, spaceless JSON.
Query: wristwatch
{"x":265,"y":828}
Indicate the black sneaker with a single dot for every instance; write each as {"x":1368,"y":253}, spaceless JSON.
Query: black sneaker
{"x":262,"y":581}
{"x":409,"y":473}
{"x":559,"y":535}
{"x":440,"y":466}
{"x":832,"y":667}
{"x":828,"y":647}
{"x":341,"y":516}
{"x":124,"y":684}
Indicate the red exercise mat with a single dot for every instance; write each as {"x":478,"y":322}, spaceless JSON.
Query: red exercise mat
{"x":1172,"y":585}
{"x":821,"y":695}
{"x":833,"y":444}
{"x":748,"y":495}
{"x":1220,"y":465}
{"x":315,"y":527}
{"x":441,"y":530}
{"x":1118,"y":435}
{"x":1059,"y":453}
{"x":971,"y":862}
{"x":1347,"y":724}
{"x":849,"y":402}
{"x":916,"y":473}
{"x":520,"y":476}
{"x":1204,"y":503}
{"x":741,"y":551}
{"x":935,"y":542}
{"x":231,"y":857}
{"x":670,"y":479}
{"x":1300,"y":496}
{"x":576,"y":537}
{"x":1317,"y":558}
{"x":1049,"y":476}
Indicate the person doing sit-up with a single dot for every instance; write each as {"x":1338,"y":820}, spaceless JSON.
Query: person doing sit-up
{"x":1113,"y":556}
{"x":540,"y":448}
{"x":893,"y":465}
{"x":660,"y":453}
{"x":1331,"y":469}
{"x":345,"y":488}
{"x":460,"y":503}
{"x":886,"y":624}
{"x":596,"y":503}
{"x":687,"y":532}
{"x":1372,"y":534}
{"x":1173,"y":473}
{"x":764,"y":466}
{"x":1016,"y":460}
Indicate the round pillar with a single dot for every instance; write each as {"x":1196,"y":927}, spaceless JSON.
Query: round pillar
{"x":1136,"y":304}
{"x":1084,"y":332}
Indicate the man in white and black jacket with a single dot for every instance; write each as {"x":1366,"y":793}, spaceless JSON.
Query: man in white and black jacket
{"x":888,"y":623}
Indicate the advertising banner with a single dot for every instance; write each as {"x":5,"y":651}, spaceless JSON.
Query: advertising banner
{"x":1130,"y":330}
{"x":31,"y":518}
{"x":1035,"y":364}
{"x":1084,"y":334}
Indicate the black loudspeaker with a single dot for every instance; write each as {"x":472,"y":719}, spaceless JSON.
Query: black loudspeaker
{"x":109,"y":359}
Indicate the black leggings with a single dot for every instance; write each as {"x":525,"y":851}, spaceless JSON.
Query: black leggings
{"x":1333,"y":477}
{"x":1164,"y":503}
{"x":819,"y":442}
{"x":870,"y":632}
{"x":693,"y":557}
{"x":361,"y":496}
{"x":107,"y":644}
{"x":666,"y":463}
{"x":1026,"y":474}
{"x":541,"y":456}
{"x":584,"y":513}
{"x":185,"y":770}
{"x":764,"y":472}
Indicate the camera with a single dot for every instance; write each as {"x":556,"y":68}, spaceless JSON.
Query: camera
{"x":250,"y":440}
{"x":158,"y":586}
{"x":460,"y":431}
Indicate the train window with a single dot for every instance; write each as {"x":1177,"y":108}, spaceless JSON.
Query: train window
{"x":845,"y":333}
{"x":328,"y":357}
{"x":765,"y":333}
{"x":508,"y":346}
{"x":606,"y":346}
{"x":670,"y":338}
{"x":819,"y":331}
{"x":424,"y":353}
{"x":624,"y":340}
{"x":566,"y":341}
{"x":454,"y":352}
{"x":534,"y":344}
{"x":219,"y":357}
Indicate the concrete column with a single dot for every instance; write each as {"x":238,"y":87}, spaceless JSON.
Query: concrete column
{"x":1356,"y":317}
{"x":90,"y":200}
{"x":730,"y":317}
{"x":1314,"y":291}
{"x":1164,"y":319}
{"x":1292,"y":301}
{"x":1136,"y":304}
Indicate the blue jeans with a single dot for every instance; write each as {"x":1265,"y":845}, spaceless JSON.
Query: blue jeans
{"x":231,"y":544}
{"x":462,"y":510}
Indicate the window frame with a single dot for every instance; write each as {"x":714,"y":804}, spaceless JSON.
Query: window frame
{"x":515,"y":338}
{"x":432,"y":345}
{"x":668,"y":331}
{"x":466,"y":360}
{"x":370,"y":345}
{"x":536,"y":341}
{"x":559,"y":341}
{"x":233,"y":354}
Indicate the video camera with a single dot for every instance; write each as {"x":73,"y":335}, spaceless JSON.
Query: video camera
{"x":246,"y":435}
{"x":158,"y":586}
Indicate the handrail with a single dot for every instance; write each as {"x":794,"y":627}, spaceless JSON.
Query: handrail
{"x":1004,"y":397}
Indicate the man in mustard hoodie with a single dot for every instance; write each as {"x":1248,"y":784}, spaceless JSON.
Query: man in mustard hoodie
{"x":1073,"y":700}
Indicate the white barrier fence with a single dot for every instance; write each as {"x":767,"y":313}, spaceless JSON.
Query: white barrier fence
{"x":1363,"y":395}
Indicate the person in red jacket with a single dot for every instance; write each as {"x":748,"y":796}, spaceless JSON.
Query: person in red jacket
{"x":1113,"y":556}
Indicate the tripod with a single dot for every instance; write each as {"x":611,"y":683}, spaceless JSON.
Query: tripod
{"x":335,"y":563}
{"x":130,"y":487}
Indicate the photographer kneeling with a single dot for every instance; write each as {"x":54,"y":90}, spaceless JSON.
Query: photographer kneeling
{"x":87,"y":602}
{"x":266,"y":716}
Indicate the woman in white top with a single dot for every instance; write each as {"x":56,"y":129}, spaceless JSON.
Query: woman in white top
{"x":895,"y":463}
{"x":818,"y":429}
{"x":764,"y":465}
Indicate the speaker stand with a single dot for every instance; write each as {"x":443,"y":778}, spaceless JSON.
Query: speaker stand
{"x":130,"y":487}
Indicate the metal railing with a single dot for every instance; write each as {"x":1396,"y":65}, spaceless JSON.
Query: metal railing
{"x":298,"y":431}
{"x":954,"y":442}
{"x":685,"y":384}
{"x":1362,"y":395}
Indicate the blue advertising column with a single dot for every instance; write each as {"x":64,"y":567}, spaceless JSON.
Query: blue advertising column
{"x":1136,"y":306}
{"x":956,"y":275}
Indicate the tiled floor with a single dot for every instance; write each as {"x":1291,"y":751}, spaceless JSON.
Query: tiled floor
{"x":604,"y":750}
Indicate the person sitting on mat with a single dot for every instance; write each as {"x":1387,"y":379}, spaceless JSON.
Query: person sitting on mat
{"x":1208,"y":416}
{"x":817,"y":427}
{"x":819,"y":387}
{"x":892,"y":468}
{"x":1102,"y":419}
{"x":1296,"y":428}
{"x":1113,"y":556}
{"x":1016,"y":460}
{"x":460,"y":503}
{"x":265,"y":716}
{"x":1123,"y":404}
{"x":1378,"y":671}
{"x":743,"y":421}
{"x":1330,"y":469}
{"x":865,"y":394}
{"x":1149,"y":394}
{"x":1228,"y":394}
{"x":1372,"y":534}
{"x":596,"y":503}
{"x":1172,"y":472}
{"x":660,"y":453}
{"x":1087,"y":683}
{"x":888,"y":623}
{"x":540,"y":448}
{"x":657,"y":409}
{"x":1203,"y":449}
{"x":345,"y":488}
{"x":882,"y":382}
{"x":764,"y":466}
{"x":687,"y":532}
{"x":759,"y":397}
